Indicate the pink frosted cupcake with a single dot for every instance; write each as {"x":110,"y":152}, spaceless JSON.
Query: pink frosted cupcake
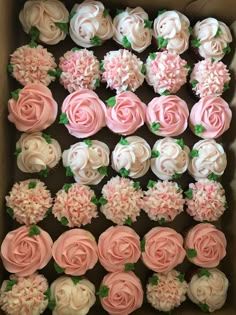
{"x":205,"y":245}
{"x":29,"y":201}
{"x":121,"y":200}
{"x":121,"y":293}
{"x":83,"y":113}
{"x":162,"y":242}
{"x":26,"y":250}
{"x":167,"y":116}
{"x":122,"y":71}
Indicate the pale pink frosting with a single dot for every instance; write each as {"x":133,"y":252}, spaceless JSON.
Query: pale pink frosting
{"x":80,"y":70}
{"x":75,"y":251}
{"x":211,"y":159}
{"x":172,"y":159}
{"x":31,"y":65}
{"x":127,"y":115}
{"x":125,"y":293}
{"x":213,"y":114}
{"x":131,"y":23}
{"x":29,"y":205}
{"x":171,"y":112}
{"x":23,"y":254}
{"x":85,"y":112}
{"x":88,"y":22}
{"x":118,"y":246}
{"x":44,"y":15}
{"x":122,"y":71}
{"x":209,"y":244}
{"x":163,"y":249}
{"x":86,"y":161}
{"x":134,"y":156}
{"x":167,"y":72}
{"x":34,"y":110}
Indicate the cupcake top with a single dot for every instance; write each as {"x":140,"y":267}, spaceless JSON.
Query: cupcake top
{"x":29,"y":201}
{"x":166,"y":72}
{"x":87,"y":161}
{"x":162,"y":242}
{"x":167,"y":116}
{"x":166,"y":291}
{"x":205,"y":245}
{"x":80,"y":70}
{"x":132,"y":155}
{"x":24,"y":295}
{"x":171,"y":31}
{"x":50,"y":26}
{"x":169,"y":158}
{"x":26,"y":250}
{"x":122,"y":70}
{"x":205,"y":200}
{"x":90,"y":24}
{"x":32,"y":108}
{"x":211,"y":38}
{"x":133,"y":29}
{"x":83,"y":113}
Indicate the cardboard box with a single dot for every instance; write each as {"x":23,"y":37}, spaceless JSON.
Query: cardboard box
{"x":12,"y":36}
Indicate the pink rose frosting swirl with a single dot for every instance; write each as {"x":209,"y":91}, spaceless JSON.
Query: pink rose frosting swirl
{"x":125,"y":293}
{"x":163,"y":249}
{"x":75,"y":251}
{"x":85,"y":113}
{"x":26,"y":250}
{"x":171,"y":112}
{"x":205,"y":245}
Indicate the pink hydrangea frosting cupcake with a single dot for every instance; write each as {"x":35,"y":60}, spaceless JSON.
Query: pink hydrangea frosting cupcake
{"x":162,"y":242}
{"x":167,"y":116}
{"x":29,"y":201}
{"x":83,"y":113}
{"x":205,"y":245}
{"x":26,"y":250}
{"x":121,"y":293}
{"x":119,"y":248}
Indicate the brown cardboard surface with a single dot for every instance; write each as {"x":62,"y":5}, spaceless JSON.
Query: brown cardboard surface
{"x":12,"y":36}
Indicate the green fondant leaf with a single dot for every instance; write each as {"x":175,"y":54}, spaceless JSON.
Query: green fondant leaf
{"x":47,"y":138}
{"x":125,"y":42}
{"x":151,"y":184}
{"x":142,"y":245}
{"x":165,"y":93}
{"x":143,"y":70}
{"x":97,"y":83}
{"x":154,"y":280}
{"x":55,"y":73}
{"x":49,"y":211}
{"x":191,"y":253}
{"x":128,"y":221}
{"x":195,"y":43}
{"x":155,"y":154}
{"x":75,"y":49}
{"x":111,"y":101}
{"x":123,"y":141}
{"x":69,"y":172}
{"x":213,"y":177}
{"x":63,"y":26}
{"x":76,"y":279}
{"x":10,"y":68}
{"x":190,"y":29}
{"x":194,"y":153}
{"x":152,"y":56}
{"x":94,"y":200}
{"x":10,"y":211}
{"x":101,"y":66}
{"x":148,"y":24}
{"x":17,"y":152}
{"x":119,"y":11}
{"x":44,"y":173}
{"x":15,"y":94}
{"x":33,"y":44}
{"x":162,"y":42}
{"x":189,"y":193}
{"x":226,"y":87}
{"x":188,"y":67}
{"x":136,"y":185}
{"x":34,"y":33}
{"x":194,"y":83}
{"x":47,"y":294}
{"x":180,"y":142}
{"x":52,"y":304}
{"x":124,"y":172}
{"x":177,"y":176}
{"x":219,"y":32}
{"x":103,"y":170}
{"x":161,"y":221}
{"x":204,"y":307}
{"x":10,"y":285}
{"x":102,"y":201}
{"x":32,"y":185}
{"x":199,"y":129}
{"x":203,"y":272}
{"x":160,"y":12}
{"x":63,"y":119}
{"x":155,"y":126}
{"x":129,"y":266}
{"x":181,"y":277}
{"x":66,"y":187}
{"x":227,"y":49}
{"x":58,"y":268}
{"x":88,"y":142}
{"x":34,"y":230}
{"x":64,"y":221}
{"x":212,"y":60}
{"x":106,"y":12}
{"x":103,"y":292}
{"x":96,"y":41}
{"x":72,"y":14}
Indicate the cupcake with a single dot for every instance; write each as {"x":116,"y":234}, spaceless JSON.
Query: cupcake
{"x":29,"y":201}
{"x":119,"y":248}
{"x":125,"y":113}
{"x":210,"y":117}
{"x":24,"y":295}
{"x":132,"y":29}
{"x":211,"y":39}
{"x":37,"y":153}
{"x":171,"y":31}
{"x":131,"y":156}
{"x":32,"y":108}
{"x":75,"y":252}
{"x":83,"y":113}
{"x":90,"y":24}
{"x":26,"y":250}
{"x":121,"y":293}
{"x":162,"y":242}
{"x":166,"y":291}
{"x":163,"y":201}
{"x":79,"y":70}
{"x":167,"y":116}
{"x":121,"y":200}
{"x":166,"y":72}
{"x":122,"y":71}
{"x":50,"y":26}
{"x":87,"y":161}
{"x":205,"y":200}
{"x":207,"y":160}
{"x":169,"y":158}
{"x":205,"y":245}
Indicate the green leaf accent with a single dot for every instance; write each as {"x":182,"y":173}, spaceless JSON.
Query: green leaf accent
{"x":94,"y":200}
{"x":227,"y":49}
{"x":49,"y":211}
{"x":204,"y":307}
{"x":188,"y":67}
{"x":165,"y":93}
{"x":177,"y":175}
{"x":44,"y":173}
{"x":72,"y":14}
{"x":160,"y":12}
{"x":162,"y":42}
{"x":88,"y":142}
{"x":33,"y":44}
{"x":106,"y":12}
{"x":76,"y":279}
{"x":15,"y":94}
{"x":102,"y":201}
{"x":203,"y":272}
{"x":103,"y":170}
{"x":143,"y":70}
{"x":155,"y":126}
{"x":194,"y":153}
{"x":190,"y":29}
{"x":151,"y":184}
{"x":103,"y":292}
{"x":10,"y":68}
{"x":189,"y":193}
{"x":213,"y":177}
{"x":32,"y":185}
{"x":96,"y":41}
{"x":17,"y":152}
{"x":64,"y":221}
{"x":69,"y":172}
{"x":199,"y":129}
{"x":191,"y":253}
{"x":75,"y":49}
{"x":124,"y":172}
{"x":219,"y":32}
{"x":181,"y":277}
{"x":152,"y":56}
{"x":34,"y":230}
{"x":180,"y":142}
{"x":212,"y":60}
{"x":226,"y":87}
{"x":125,"y":42}
{"x":97,"y":83}
{"x":129,"y":266}
{"x":10,"y":211}
{"x":194,"y":83}
{"x":58,"y":268}
{"x":119,"y":11}
{"x":63,"y":26}
{"x":161,"y":221}
{"x":66,"y":187}
{"x":111,"y":101}
{"x":63,"y":119}
{"x":47,"y":138}
{"x":55,"y":73}
{"x":101,"y":66}
{"x":34,"y":33}
{"x":123,"y":141}
{"x":148,"y":24}
{"x":136,"y":185}
{"x":142,"y":245}
{"x":52,"y":304}
{"x":155,"y":154}
{"x":195,"y":43}
{"x":128,"y":221}
{"x":10,"y":284}
{"x":154,"y":280}
{"x":47,"y":294}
